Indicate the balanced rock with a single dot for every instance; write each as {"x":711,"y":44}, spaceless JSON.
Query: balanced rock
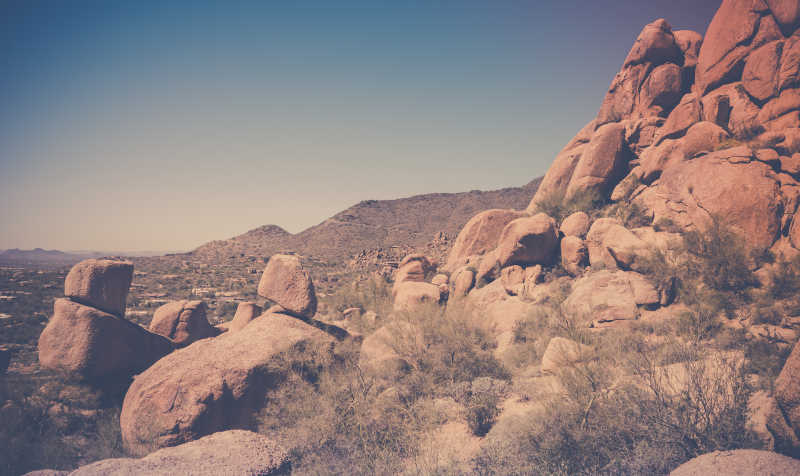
{"x":286,"y":282}
{"x":100,"y":283}
{"x":479,"y":235}
{"x":526,"y":241}
{"x":215,"y":384}
{"x":739,"y":462}
{"x":245,"y":313}
{"x":182,"y":322}
{"x":94,"y":344}
{"x":225,"y":452}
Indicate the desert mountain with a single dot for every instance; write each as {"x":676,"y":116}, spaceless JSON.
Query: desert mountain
{"x":372,"y":224}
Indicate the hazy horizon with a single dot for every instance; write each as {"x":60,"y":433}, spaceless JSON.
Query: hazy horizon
{"x":165,"y":125}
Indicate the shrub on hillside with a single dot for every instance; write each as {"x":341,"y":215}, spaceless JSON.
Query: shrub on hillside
{"x":559,"y":207}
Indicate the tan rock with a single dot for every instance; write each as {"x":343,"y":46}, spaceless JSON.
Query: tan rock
{"x":739,"y":462}
{"x":603,"y":164}
{"x":440,"y":279}
{"x":662,"y":88}
{"x":576,"y":224}
{"x":527,"y":241}
{"x":513,"y":279}
{"x":725,"y":48}
{"x":412,"y":295}
{"x":463,"y":281}
{"x":488,"y":268}
{"x":413,"y":271}
{"x":760,"y":76}
{"x":701,"y":138}
{"x":604,"y":297}
{"x":766,"y":420}
{"x":574,"y":255}
{"x":787,"y":13}
{"x":182,"y":322}
{"x":480,"y":235}
{"x":789,"y":74}
{"x":561,"y":352}
{"x":225,"y":452}
{"x":655,"y":44}
{"x":286,"y":282}
{"x":730,"y":107}
{"x":215,"y":384}
{"x":791,"y":165}
{"x":788,"y":101}
{"x":245,"y":313}
{"x":787,"y":389}
{"x":689,"y":42}
{"x":685,"y":114}
{"x":380,"y":351}
{"x":100,"y":283}
{"x":94,"y":344}
{"x":555,"y":181}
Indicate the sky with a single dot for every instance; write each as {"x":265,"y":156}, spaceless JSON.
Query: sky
{"x":161,"y":125}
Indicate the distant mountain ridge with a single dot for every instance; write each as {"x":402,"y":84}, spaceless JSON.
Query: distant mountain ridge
{"x":41,"y":256}
{"x":370,"y":224}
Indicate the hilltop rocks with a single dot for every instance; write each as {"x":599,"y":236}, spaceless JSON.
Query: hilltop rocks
{"x":225,"y":452}
{"x":182,"y":322}
{"x":525,"y":241}
{"x":738,"y":27}
{"x":286,"y":282}
{"x":102,"y":284}
{"x":94,"y":344}
{"x":739,"y":462}
{"x":787,"y":389}
{"x":479,"y":235}
{"x":246,"y":312}
{"x":215,"y":384}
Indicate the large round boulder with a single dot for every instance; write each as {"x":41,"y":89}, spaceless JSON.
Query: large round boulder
{"x":100,"y":283}
{"x":225,"y":452}
{"x":480,"y":235}
{"x":603,"y":164}
{"x":94,"y":344}
{"x":526,"y":241}
{"x":739,"y":462}
{"x":216,"y":384}
{"x":182,"y":322}
{"x":787,"y":389}
{"x":412,"y":295}
{"x":286,"y":282}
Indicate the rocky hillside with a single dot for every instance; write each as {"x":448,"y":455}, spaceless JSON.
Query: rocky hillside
{"x":372,"y":224}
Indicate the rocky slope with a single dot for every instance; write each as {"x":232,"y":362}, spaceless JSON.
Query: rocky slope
{"x":372,"y":224}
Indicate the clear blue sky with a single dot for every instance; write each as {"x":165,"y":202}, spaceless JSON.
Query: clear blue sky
{"x":165,"y":124}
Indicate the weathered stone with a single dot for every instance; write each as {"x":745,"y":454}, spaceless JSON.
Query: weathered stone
{"x":245,"y":313}
{"x":789,"y":74}
{"x":225,"y":452}
{"x":94,"y":344}
{"x":739,"y":462}
{"x":286,"y":282}
{"x":725,"y":47}
{"x":480,"y":235}
{"x":760,"y":76}
{"x":788,"y":101}
{"x":100,"y":283}
{"x":689,"y":42}
{"x":685,"y":114}
{"x":412,"y":295}
{"x":701,"y":138}
{"x":787,"y":13}
{"x":463,"y":281}
{"x":730,"y":107}
{"x":561,"y":352}
{"x":574,"y":254}
{"x":787,"y":389}
{"x":603,"y":297}
{"x":182,"y":322}
{"x":611,"y":245}
{"x":576,"y":224}
{"x":440,"y":279}
{"x":513,"y":279}
{"x":526,"y":241}
{"x":555,"y":181}
{"x":604,"y":163}
{"x":215,"y":384}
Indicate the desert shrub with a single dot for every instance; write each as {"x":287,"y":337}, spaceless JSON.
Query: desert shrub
{"x":720,"y":258}
{"x":374,"y":294}
{"x":559,"y":207}
{"x":784,"y":279}
{"x":630,"y":214}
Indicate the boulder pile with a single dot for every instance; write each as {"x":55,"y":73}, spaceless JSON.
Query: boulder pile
{"x":88,"y":336}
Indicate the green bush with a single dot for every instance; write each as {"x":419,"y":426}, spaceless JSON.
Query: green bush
{"x":720,"y":258}
{"x":559,"y":207}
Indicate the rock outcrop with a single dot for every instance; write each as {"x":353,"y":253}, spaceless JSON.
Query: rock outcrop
{"x":739,"y":462}
{"x":286,"y":282}
{"x":479,"y":235}
{"x":83,"y":339}
{"x":246,"y":312}
{"x":102,"y":284}
{"x":215,"y":384}
{"x":528,"y":241}
{"x":94,"y":344}
{"x":226,"y":452}
{"x":182,"y":322}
